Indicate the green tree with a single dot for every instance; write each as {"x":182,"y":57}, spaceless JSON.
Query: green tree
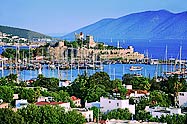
{"x":50,"y":115}
{"x":49,"y":83}
{"x":127,"y":79}
{"x":73,"y":117}
{"x":6,"y":93}
{"x":122,"y":114}
{"x":100,"y":78}
{"x":79,"y":87}
{"x":142,"y":104}
{"x":159,"y":98}
{"x":30,"y":94}
{"x":143,"y":115}
{"x":9,"y":53}
{"x":94,"y":93}
{"x":12,"y":77}
{"x":96,"y":113}
{"x":8,"y":116}
{"x":141,"y":83}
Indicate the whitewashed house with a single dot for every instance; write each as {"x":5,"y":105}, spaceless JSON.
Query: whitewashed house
{"x":128,"y":87}
{"x":64,"y":83}
{"x":159,"y":111}
{"x":107,"y":104}
{"x":76,"y":101}
{"x":21,"y":103}
{"x":44,"y":99}
{"x":182,"y":99}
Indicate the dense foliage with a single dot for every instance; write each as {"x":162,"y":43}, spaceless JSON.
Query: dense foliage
{"x":121,"y":114}
{"x":40,"y":115}
{"x":11,"y":53}
{"x":8,"y":116}
{"x":93,"y":87}
{"x":49,"y":83}
{"x":141,"y":83}
{"x":6,"y":93}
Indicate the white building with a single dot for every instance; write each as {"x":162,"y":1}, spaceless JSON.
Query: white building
{"x":76,"y":101}
{"x":159,"y":111}
{"x":114,"y":121}
{"x":128,"y":87}
{"x":21,"y":103}
{"x":15,"y":37}
{"x":45,"y":99}
{"x":182,"y":99}
{"x":64,"y":83}
{"x":137,"y":94}
{"x":88,"y":114}
{"x":107,"y":104}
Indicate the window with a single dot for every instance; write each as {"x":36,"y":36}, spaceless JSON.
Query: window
{"x":181,"y":94}
{"x":117,"y":104}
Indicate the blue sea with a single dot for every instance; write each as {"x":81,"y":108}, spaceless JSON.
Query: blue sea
{"x":115,"y":71}
{"x":154,"y":48}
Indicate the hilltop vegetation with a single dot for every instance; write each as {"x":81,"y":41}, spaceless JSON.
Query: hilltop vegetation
{"x":22,"y":32}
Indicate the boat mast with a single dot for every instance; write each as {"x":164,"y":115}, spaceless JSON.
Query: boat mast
{"x":17,"y":52}
{"x":114,"y":73}
{"x":118,"y":45}
{"x":180,"y":58}
{"x":2,"y":71}
{"x":71,"y":60}
{"x":166,"y":57}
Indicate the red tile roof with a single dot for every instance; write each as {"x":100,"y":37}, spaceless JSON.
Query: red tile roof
{"x":42,"y":103}
{"x":74,"y":98}
{"x":48,"y":103}
{"x":129,"y":91}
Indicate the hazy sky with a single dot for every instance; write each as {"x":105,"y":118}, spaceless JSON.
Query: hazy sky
{"x":63,"y":16}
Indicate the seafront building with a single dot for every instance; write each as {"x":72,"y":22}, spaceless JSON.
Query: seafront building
{"x":58,"y":51}
{"x":90,"y":51}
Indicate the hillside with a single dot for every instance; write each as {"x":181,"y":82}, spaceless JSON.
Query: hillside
{"x":22,"y":32}
{"x":160,"y":24}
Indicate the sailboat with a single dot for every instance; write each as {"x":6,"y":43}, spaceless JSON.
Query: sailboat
{"x":1,"y":68}
{"x":180,"y":71}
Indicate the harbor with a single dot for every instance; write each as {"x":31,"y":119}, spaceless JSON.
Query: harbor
{"x":115,"y":71}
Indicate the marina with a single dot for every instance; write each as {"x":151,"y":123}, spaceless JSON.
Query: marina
{"x":115,"y":71}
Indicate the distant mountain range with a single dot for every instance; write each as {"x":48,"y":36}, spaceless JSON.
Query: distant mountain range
{"x":160,"y":24}
{"x":24,"y":33}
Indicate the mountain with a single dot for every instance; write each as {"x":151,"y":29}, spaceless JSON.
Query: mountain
{"x":24,"y":33}
{"x":160,"y":24}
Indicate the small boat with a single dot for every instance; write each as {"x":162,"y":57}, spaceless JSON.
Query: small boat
{"x":135,"y":68}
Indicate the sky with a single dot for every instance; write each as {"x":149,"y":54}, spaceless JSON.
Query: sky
{"x":64,"y":16}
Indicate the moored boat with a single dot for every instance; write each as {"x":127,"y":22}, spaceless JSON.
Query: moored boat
{"x":135,"y":68}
